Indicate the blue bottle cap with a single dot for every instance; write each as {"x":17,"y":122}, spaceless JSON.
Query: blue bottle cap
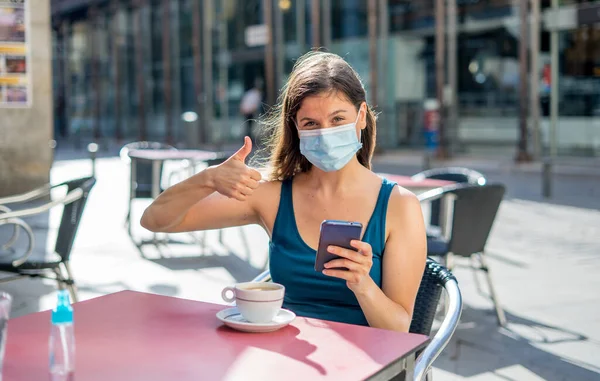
{"x":63,"y":312}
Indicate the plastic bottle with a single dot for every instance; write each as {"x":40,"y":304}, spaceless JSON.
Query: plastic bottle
{"x":62,"y":339}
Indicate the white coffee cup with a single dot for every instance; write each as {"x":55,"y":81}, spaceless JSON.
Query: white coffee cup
{"x":258,"y":302}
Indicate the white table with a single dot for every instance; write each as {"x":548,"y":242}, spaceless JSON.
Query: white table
{"x":158,"y":157}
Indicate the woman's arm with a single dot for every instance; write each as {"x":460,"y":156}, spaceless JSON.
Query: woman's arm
{"x":391,"y":306}
{"x":217,"y":197}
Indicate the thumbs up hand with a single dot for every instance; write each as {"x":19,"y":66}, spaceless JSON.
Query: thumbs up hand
{"x":233,"y":178}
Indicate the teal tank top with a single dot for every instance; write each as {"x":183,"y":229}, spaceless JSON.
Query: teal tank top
{"x":310,"y":293}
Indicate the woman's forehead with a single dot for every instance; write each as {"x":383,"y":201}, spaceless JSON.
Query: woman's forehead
{"x":323,"y":104}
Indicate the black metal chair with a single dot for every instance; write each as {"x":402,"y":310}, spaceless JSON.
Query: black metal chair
{"x":459,"y":175}
{"x":36,"y":262}
{"x":435,"y":279}
{"x":454,"y":174}
{"x":143,"y":174}
{"x":473,"y":214}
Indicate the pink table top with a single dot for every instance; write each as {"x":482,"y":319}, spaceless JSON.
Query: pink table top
{"x":407,"y":182}
{"x":172,"y":154}
{"x":136,"y":336}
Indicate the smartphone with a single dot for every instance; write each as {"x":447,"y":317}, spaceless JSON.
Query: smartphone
{"x":335,"y":233}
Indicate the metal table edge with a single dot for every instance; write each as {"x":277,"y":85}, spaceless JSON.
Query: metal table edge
{"x":395,"y":367}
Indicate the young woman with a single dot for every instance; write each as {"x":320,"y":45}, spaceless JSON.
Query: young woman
{"x":322,"y":144}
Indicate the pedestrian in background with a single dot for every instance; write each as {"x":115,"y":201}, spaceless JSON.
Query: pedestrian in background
{"x":250,"y":106}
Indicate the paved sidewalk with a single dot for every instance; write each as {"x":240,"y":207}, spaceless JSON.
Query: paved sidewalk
{"x":544,"y":256}
{"x":576,"y":166}
{"x":574,"y":183}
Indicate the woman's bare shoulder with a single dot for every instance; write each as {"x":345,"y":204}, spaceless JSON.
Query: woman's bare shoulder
{"x":404,"y":204}
{"x":269,"y":187}
{"x":267,"y":194}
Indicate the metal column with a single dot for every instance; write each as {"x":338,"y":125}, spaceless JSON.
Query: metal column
{"x":326,"y":10}
{"x":224,"y":61}
{"x":440,"y":69}
{"x":549,"y":161}
{"x":116,"y":42}
{"x":61,"y":60}
{"x":554,"y":84}
{"x":95,"y":64}
{"x":387,"y":132}
{"x":279,"y":56}
{"x":315,"y":21}
{"x":522,"y":154}
{"x":139,"y":60}
{"x":452,"y":125}
{"x":301,"y":25}
{"x":372,"y":27}
{"x":176,"y":72}
{"x":198,"y":82}
{"x":166,"y":56}
{"x":66,"y":74}
{"x":384,"y":31}
{"x":207,"y":43}
{"x":269,"y":64}
{"x":534,"y":97}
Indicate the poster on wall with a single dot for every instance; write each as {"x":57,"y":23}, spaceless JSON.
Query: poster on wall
{"x":15,"y":84}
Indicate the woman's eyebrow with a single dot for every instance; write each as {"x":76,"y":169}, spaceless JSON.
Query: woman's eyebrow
{"x":333,"y":113}
{"x":337,"y":112}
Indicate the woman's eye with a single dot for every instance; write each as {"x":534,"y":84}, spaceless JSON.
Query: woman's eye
{"x":338,"y":119}
{"x":309,"y":124}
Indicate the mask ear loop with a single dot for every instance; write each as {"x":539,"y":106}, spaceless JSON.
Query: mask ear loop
{"x":360,"y":135}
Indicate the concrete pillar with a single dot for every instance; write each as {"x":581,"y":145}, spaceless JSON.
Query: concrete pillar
{"x":25,"y":133}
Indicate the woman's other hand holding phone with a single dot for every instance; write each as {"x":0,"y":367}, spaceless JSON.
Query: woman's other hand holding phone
{"x":358,"y":264}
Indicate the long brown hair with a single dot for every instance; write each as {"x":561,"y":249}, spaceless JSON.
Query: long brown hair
{"x":314,"y":73}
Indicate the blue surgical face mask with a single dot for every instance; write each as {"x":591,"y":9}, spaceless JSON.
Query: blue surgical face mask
{"x":330,"y":149}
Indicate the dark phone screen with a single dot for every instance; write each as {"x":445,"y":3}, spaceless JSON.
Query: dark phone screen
{"x":335,"y":233}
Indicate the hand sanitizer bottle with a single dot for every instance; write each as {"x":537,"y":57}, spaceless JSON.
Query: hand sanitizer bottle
{"x":62,"y":339}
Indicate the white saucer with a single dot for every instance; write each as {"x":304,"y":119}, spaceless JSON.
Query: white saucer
{"x":231,"y":317}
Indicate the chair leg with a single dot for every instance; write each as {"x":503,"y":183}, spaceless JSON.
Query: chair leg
{"x":429,"y":376}
{"x":450,"y":261}
{"x":60,"y":279}
{"x":499,"y":311}
{"x":449,"y":264}
{"x":7,"y":279}
{"x":267,"y":262}
{"x":71,"y":285}
{"x":12,"y":239}
{"x":128,"y":221}
{"x":474,"y":267}
{"x":203,"y":242}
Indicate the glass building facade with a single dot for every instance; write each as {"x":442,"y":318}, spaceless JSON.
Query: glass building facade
{"x":128,"y":70}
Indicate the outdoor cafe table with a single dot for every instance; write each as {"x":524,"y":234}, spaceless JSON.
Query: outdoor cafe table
{"x":158,"y":156}
{"x":137,"y":336}
{"x":421,"y":186}
{"x":415,"y":186}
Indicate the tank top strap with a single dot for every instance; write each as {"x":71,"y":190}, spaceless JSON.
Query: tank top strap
{"x":381,"y":208}
{"x":387,"y":187}
{"x":285,"y":212}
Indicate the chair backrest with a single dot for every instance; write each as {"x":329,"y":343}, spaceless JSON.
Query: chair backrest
{"x":474,"y":212}
{"x":434,"y":278}
{"x":71,"y":216}
{"x":455,"y":174}
{"x":143,"y":172}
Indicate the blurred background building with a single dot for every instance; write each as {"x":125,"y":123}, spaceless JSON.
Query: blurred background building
{"x":130,"y":69}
